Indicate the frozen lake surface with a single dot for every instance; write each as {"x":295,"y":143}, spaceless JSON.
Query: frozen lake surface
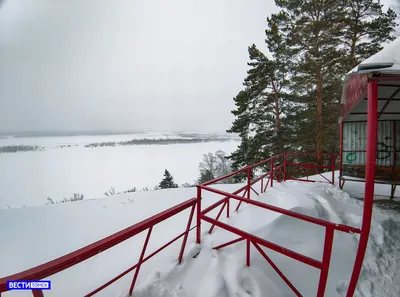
{"x":28,"y":178}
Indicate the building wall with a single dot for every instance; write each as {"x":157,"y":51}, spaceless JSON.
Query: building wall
{"x":355,"y":143}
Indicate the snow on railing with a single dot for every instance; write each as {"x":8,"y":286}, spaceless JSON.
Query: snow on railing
{"x":285,"y":166}
{"x":277,"y":168}
{"x":52,"y":267}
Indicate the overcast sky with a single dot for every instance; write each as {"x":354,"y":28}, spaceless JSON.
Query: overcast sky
{"x":126,"y":64}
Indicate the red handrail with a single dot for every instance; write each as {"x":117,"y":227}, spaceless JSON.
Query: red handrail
{"x":280,"y":173}
{"x":278,"y":166}
{"x":54,"y":266}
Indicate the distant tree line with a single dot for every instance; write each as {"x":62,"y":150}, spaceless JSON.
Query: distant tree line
{"x":160,"y":141}
{"x":19,"y":148}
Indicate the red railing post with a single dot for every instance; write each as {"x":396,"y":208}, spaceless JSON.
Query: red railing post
{"x":262,"y":184}
{"x":326,"y":259}
{"x":272,"y":172}
{"x":186,"y":234}
{"x":370,"y":167}
{"x":284,"y":166}
{"x":146,"y":242}
{"x":37,"y":293}
{"x":341,"y":149}
{"x":333,"y":159}
{"x":248,"y":182}
{"x":227,"y":207}
{"x":198,"y":221}
{"x":248,"y":251}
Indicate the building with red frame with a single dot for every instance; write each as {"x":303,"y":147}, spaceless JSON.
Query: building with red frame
{"x":370,"y":133}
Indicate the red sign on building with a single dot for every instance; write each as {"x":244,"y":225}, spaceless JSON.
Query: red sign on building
{"x":356,"y":90}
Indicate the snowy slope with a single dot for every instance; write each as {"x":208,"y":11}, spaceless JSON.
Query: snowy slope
{"x":224,"y":273}
{"x":65,"y":227}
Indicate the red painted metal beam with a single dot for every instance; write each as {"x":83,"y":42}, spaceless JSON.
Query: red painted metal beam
{"x":198,"y":216}
{"x":387,"y":103}
{"x":278,"y":271}
{"x":303,"y":165}
{"x":217,"y":218}
{"x":389,"y":85}
{"x":228,"y":243}
{"x":37,"y":293}
{"x":326,"y":259}
{"x":134,"y":266}
{"x":308,"y":154}
{"x":186,"y":234}
{"x":384,"y":77}
{"x":248,"y":251}
{"x":146,"y":242}
{"x":369,"y":184}
{"x":214,"y":205}
{"x":290,"y":213}
{"x":52,"y":267}
{"x":275,"y":247}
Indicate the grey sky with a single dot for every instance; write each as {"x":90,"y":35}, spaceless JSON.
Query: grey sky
{"x":150,"y":64}
{"x":125,"y":64}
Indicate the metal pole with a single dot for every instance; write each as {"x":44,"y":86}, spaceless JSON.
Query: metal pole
{"x":333,"y":168}
{"x":272,"y":172}
{"x":198,"y":221}
{"x":369,"y":183}
{"x":341,"y":150}
{"x":284,"y":166}
{"x":326,"y":260}
{"x":146,"y":242}
{"x":248,"y":252}
{"x":248,"y":182}
{"x":37,"y":293}
{"x":186,"y":234}
{"x":262,"y":184}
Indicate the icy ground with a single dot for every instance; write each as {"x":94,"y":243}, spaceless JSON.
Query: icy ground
{"x":38,"y":234}
{"x":29,"y":178}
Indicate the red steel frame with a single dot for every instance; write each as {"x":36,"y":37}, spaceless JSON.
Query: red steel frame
{"x":372,"y":127}
{"x":278,"y":173}
{"x":277,"y":170}
{"x":78,"y":256}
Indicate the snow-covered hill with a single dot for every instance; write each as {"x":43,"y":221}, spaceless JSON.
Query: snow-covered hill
{"x":35,"y":235}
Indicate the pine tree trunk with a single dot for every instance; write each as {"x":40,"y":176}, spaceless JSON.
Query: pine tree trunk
{"x":353,"y":50}
{"x":277,"y":115}
{"x":319,"y":114}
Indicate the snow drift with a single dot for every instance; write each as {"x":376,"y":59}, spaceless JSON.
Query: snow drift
{"x":204,"y":271}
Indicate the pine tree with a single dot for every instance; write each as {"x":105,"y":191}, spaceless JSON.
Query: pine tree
{"x":291,"y":100}
{"x":205,"y":176}
{"x":325,"y":40}
{"x":367,"y":28}
{"x":312,"y":34}
{"x":261,"y":110}
{"x":168,"y":181}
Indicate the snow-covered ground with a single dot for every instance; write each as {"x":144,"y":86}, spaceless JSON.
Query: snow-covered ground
{"x":28,"y":178}
{"x":34,"y":235}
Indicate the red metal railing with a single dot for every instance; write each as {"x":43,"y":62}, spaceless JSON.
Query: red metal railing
{"x":78,"y":256}
{"x":282,"y":167}
{"x":277,"y":169}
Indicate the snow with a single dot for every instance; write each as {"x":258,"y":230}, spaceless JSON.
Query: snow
{"x":35,"y":235}
{"x":28,"y":178}
{"x":389,"y":55}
